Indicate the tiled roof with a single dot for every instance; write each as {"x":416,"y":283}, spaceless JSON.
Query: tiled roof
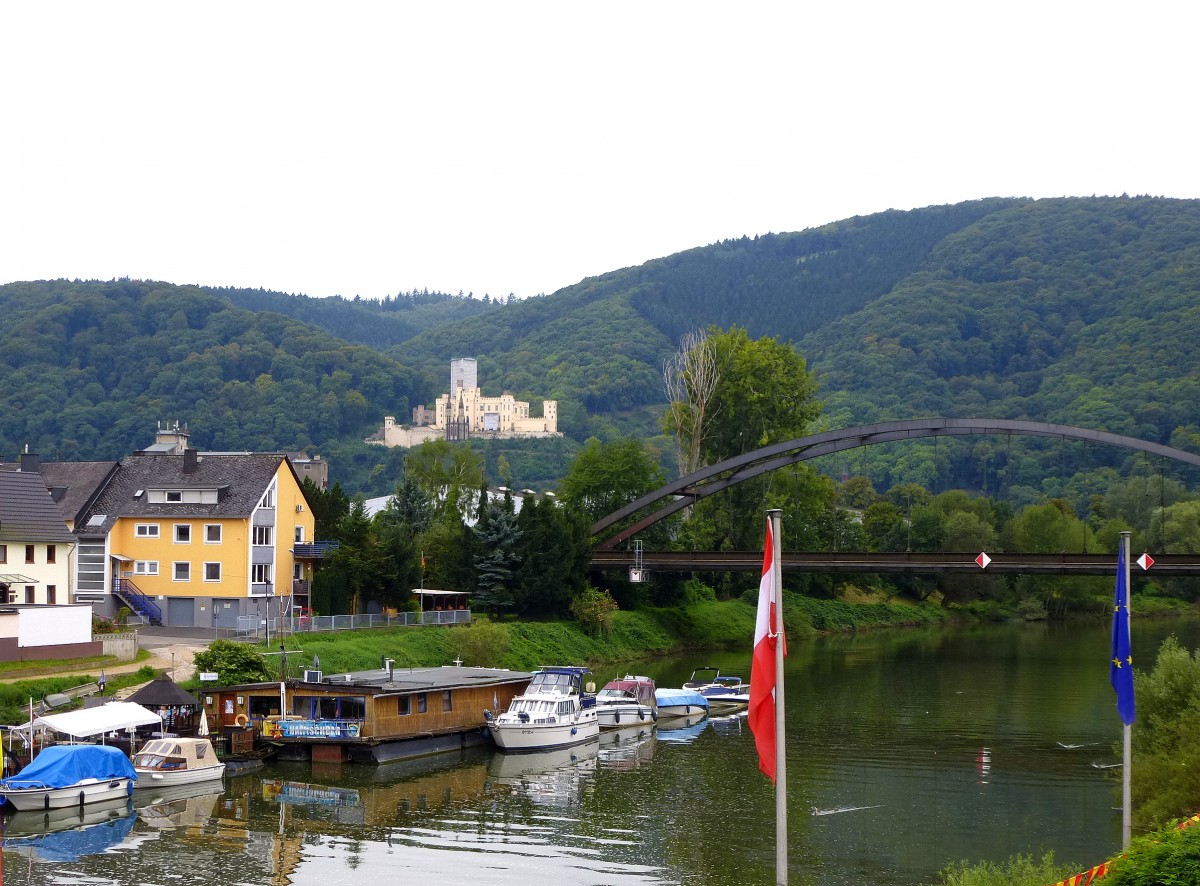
{"x":79,"y":479}
{"x":27,"y":512}
{"x":243,"y":479}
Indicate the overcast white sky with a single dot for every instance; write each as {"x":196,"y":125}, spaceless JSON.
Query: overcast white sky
{"x":376,"y":147}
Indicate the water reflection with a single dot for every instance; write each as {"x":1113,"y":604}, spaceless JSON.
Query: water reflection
{"x":906,"y":751}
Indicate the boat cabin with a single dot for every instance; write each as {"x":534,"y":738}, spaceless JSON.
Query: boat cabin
{"x":368,"y":716}
{"x":170,"y":754}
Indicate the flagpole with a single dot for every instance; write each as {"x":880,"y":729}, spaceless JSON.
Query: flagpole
{"x":1127,"y":760}
{"x":781,"y":854}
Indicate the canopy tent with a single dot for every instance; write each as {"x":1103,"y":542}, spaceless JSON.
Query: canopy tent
{"x":111,"y":717}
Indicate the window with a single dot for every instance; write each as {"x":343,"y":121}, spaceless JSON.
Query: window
{"x":422,"y":702}
{"x":51,"y":554}
{"x":173,"y":497}
{"x":404,"y":705}
{"x":260,"y":573}
{"x":212,"y":571}
{"x":447,"y":701}
{"x":29,"y":553}
{"x":3,"y":553}
{"x":268,"y":499}
{"x":29,"y":593}
{"x":262,"y":535}
{"x":182,"y":571}
{"x":51,"y":594}
{"x":145,"y":567}
{"x":183,"y":534}
{"x":146,"y":530}
{"x":299,"y":534}
{"x":212,"y":533}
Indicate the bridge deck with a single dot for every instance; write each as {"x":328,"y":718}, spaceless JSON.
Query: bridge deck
{"x":903,"y":562}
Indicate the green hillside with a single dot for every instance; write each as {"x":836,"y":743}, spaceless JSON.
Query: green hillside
{"x":1074,"y":310}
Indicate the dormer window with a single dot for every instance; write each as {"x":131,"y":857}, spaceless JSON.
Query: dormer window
{"x":173,"y":496}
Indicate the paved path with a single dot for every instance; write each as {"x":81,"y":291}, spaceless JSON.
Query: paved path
{"x":171,"y":649}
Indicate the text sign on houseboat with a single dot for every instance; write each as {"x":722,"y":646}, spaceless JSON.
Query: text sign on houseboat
{"x":320,"y":729}
{"x":209,"y":675}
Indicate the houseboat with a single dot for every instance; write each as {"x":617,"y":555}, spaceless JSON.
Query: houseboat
{"x":373,"y":716}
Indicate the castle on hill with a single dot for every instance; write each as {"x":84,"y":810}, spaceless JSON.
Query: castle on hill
{"x":466,"y":412}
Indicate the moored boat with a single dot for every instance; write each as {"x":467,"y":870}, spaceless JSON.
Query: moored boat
{"x":724,"y":694}
{"x":626,"y":702}
{"x":556,"y":710}
{"x":70,"y":775}
{"x":680,"y":703}
{"x":175,"y":761}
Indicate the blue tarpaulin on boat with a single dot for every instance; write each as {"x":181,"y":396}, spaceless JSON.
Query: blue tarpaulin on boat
{"x":63,"y":765}
{"x":73,"y":844}
{"x":665,"y":697}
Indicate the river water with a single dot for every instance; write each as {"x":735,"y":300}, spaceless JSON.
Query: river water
{"x":906,"y":750}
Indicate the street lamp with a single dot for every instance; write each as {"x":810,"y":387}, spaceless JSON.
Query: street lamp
{"x":267,"y":623}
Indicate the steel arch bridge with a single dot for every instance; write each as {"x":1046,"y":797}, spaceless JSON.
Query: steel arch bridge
{"x":688,"y":490}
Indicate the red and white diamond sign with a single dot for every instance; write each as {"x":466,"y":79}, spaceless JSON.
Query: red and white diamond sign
{"x":983,"y":560}
{"x":1145,"y":561}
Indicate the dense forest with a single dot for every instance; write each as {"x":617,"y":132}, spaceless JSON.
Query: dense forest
{"x":1074,"y":310}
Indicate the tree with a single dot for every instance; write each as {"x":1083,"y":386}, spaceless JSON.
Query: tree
{"x":690,"y":378}
{"x":233,"y":663}
{"x":607,"y":476}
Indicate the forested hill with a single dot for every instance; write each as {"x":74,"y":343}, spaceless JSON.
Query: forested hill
{"x":89,"y":368}
{"x":1077,"y":310}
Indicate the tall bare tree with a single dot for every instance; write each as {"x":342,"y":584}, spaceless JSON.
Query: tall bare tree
{"x":690,"y":377}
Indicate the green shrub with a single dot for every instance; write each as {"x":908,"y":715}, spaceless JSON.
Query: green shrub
{"x":593,"y":610}
{"x":232,"y":662}
{"x":1170,"y":857}
{"x":481,"y":644}
{"x":1021,"y":870}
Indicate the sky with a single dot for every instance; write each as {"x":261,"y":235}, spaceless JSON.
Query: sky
{"x":371,"y":148}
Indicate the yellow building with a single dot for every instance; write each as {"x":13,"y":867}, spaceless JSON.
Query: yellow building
{"x":195,"y":539}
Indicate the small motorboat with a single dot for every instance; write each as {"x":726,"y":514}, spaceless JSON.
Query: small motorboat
{"x":680,"y":703}
{"x":556,"y":710}
{"x":165,"y":762}
{"x":65,"y":775}
{"x":626,"y":702}
{"x":725,"y":695}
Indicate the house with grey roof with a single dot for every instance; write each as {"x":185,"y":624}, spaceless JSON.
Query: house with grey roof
{"x":36,"y":547}
{"x":195,"y":539}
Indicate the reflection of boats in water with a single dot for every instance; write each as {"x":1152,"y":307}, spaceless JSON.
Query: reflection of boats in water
{"x":682,"y":730}
{"x":729,"y":724}
{"x":68,"y":834}
{"x":554,"y":777}
{"x":627,"y":748}
{"x":179,"y":806}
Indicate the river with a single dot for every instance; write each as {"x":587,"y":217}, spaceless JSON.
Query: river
{"x":906,"y":750}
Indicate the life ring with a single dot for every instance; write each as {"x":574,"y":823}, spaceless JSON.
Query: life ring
{"x":241,"y":719}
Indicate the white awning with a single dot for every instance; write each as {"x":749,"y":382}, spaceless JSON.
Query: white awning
{"x":111,"y":717}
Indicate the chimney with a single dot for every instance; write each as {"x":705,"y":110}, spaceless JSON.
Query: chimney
{"x":30,"y":461}
{"x":190,"y":460}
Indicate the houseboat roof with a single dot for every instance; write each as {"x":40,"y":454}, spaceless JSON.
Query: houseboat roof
{"x":395,"y":680}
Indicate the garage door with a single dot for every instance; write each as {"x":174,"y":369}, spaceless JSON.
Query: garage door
{"x":181,"y":612}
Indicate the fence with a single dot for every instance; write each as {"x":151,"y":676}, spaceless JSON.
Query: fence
{"x":253,"y":627}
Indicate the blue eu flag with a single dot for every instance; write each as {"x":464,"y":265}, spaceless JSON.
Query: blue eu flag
{"x":1121,"y":666}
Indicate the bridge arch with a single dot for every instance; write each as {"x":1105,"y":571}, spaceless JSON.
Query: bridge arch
{"x":698,"y":485}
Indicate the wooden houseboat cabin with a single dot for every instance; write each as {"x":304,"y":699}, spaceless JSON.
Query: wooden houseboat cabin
{"x":373,"y":716}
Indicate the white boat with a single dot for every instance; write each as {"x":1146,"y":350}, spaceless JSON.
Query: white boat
{"x":556,"y":710}
{"x":70,"y":775}
{"x":626,"y":702}
{"x":680,"y":703}
{"x":166,"y":762}
{"x":725,"y":695}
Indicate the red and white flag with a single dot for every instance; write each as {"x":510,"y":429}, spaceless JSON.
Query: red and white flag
{"x":762,"y":669}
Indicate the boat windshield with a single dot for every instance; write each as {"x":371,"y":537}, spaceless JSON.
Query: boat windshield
{"x":551,"y":683}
